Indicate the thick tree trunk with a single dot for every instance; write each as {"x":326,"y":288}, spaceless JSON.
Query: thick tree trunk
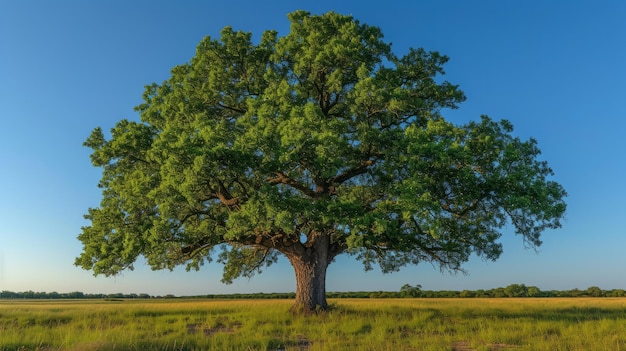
{"x":310,"y":269}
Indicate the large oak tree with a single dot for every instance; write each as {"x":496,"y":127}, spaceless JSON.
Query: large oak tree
{"x":311,"y":145}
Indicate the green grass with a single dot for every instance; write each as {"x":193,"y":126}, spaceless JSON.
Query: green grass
{"x":352,"y":324}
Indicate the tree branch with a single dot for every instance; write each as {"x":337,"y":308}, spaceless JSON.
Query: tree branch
{"x":225,"y":197}
{"x":280,"y":242}
{"x":193,"y":250}
{"x":238,"y":110}
{"x":281,"y":178}
{"x":351,"y":173}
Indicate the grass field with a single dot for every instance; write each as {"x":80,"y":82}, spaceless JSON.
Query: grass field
{"x":352,"y":324}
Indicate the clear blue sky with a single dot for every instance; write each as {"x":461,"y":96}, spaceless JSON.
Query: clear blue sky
{"x":555,"y":69}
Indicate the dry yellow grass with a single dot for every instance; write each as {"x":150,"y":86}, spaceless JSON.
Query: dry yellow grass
{"x":352,"y":324}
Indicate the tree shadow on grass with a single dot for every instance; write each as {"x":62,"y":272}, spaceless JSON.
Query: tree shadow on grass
{"x":300,"y":344}
{"x":570,"y":314}
{"x":467,"y":346}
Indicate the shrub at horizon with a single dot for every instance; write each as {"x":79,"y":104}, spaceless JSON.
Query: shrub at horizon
{"x":319,"y":143}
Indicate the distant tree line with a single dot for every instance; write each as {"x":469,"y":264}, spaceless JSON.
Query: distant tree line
{"x":513,"y":290}
{"x":5,"y":294}
{"x":406,"y":291}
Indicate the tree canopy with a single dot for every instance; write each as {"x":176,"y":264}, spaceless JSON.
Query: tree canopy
{"x":310,"y":145}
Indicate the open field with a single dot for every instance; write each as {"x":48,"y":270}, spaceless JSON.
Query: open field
{"x":353,"y":324}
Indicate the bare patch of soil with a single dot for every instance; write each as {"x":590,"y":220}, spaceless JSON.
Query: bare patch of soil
{"x":198,"y":327}
{"x":467,"y":346}
{"x":301,"y":344}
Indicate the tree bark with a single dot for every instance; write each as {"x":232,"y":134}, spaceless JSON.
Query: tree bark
{"x":310,"y":268}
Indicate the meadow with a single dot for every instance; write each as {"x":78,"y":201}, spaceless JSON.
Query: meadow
{"x":352,"y":324}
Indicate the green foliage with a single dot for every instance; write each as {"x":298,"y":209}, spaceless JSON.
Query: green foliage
{"x":263,"y":148}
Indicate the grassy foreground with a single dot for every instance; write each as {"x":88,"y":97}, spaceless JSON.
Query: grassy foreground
{"x":353,"y":324}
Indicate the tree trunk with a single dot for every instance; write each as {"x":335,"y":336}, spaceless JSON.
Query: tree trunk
{"x":310,"y":268}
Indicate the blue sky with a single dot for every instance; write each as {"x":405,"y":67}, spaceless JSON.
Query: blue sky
{"x":555,"y":69}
